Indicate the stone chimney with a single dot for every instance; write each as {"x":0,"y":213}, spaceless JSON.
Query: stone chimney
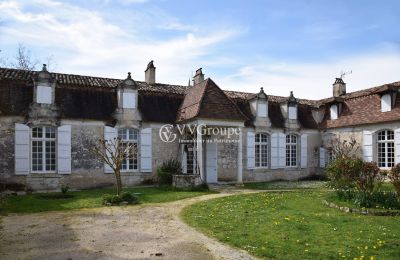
{"x":150,"y":73}
{"x":339,"y":87}
{"x":199,"y":77}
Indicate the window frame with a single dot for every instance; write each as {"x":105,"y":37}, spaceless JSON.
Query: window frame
{"x":262,"y":144}
{"x":127,"y":139}
{"x":385,"y":142}
{"x":291,"y":145}
{"x":43,"y":140}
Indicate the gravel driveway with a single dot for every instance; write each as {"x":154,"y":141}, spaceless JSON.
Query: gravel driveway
{"x":139,"y":232}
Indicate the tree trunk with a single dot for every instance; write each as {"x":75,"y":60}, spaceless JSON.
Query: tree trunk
{"x":118,"y":182}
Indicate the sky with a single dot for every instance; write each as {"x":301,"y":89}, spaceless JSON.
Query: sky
{"x":242,"y":45}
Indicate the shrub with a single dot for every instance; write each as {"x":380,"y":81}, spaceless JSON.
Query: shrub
{"x":129,"y":197}
{"x":339,"y":172}
{"x":116,"y":200}
{"x":368,"y":179}
{"x":64,"y":189}
{"x":201,"y":187}
{"x":167,"y":170}
{"x":394,"y":177}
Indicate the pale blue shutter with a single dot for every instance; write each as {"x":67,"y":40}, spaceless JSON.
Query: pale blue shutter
{"x":64,"y":149}
{"x":22,"y":149}
{"x":367,"y":146}
{"x":397,"y":145}
{"x":110,"y":134}
{"x":322,"y":157}
{"x":250,"y":150}
{"x":145,"y":150}
{"x":281,"y":150}
{"x":274,"y":151}
{"x":303,"y":150}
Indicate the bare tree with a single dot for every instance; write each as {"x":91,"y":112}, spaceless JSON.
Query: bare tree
{"x":345,"y":148}
{"x":113,"y":153}
{"x":24,"y":60}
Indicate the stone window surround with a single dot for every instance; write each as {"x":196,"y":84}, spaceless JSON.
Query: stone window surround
{"x":43,"y":139}
{"x":297,"y":146}
{"x":268,"y":149}
{"x":138,"y":149}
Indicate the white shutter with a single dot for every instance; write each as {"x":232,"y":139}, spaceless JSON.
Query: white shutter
{"x":262,"y":110}
{"x":110,"y":134}
{"x":44,"y":94}
{"x":129,"y":100}
{"x":274,"y":151}
{"x":21,"y":149}
{"x":145,"y":150}
{"x":250,"y":150}
{"x":397,"y":145}
{"x":184,"y":160}
{"x":64,"y":149}
{"x":304,"y":151}
{"x":322,"y":157}
{"x":281,"y":150}
{"x":292,"y":112}
{"x":367,"y":146}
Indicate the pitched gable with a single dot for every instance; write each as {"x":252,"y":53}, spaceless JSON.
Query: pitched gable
{"x":206,"y":100}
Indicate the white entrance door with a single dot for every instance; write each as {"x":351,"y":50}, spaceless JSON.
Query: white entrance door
{"x":211,"y":163}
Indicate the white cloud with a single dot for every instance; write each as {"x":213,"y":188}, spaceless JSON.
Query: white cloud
{"x":314,"y":80}
{"x":83,"y":41}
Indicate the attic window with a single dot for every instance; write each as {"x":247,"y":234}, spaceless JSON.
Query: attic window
{"x":128,"y":100}
{"x":334,"y":112}
{"x":262,"y":110}
{"x":386,"y":103}
{"x":44,"y":95}
{"x":292,"y":112}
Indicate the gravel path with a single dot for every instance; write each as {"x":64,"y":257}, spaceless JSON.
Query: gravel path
{"x":140,"y":232}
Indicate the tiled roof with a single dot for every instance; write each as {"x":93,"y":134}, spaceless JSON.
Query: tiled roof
{"x":360,"y":107}
{"x":207,"y":100}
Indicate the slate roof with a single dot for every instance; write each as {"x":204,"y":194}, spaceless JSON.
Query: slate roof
{"x":86,"y":97}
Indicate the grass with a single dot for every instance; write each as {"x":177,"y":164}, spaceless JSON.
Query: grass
{"x":285,"y":185}
{"x":87,"y":199}
{"x":295,"y":225}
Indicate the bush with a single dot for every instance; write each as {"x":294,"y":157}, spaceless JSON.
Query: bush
{"x":129,"y":197}
{"x":64,"y":189}
{"x":378,"y":199}
{"x":339,"y":172}
{"x":167,"y":170}
{"x":116,"y":200}
{"x":394,"y":177}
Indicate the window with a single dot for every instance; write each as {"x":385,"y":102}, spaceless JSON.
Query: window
{"x":44,"y":95}
{"x":385,"y":140}
{"x":189,"y":153}
{"x":43,"y":149}
{"x":386,"y":103}
{"x":334,"y":112}
{"x":291,"y":150}
{"x":129,"y":136}
{"x":262,"y":110}
{"x":261,"y":153}
{"x":129,"y":100}
{"x":292,"y":112}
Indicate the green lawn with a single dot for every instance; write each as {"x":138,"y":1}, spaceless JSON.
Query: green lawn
{"x":87,"y":199}
{"x":295,"y":225}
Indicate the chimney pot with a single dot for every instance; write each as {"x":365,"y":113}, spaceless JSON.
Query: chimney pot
{"x":150,"y":73}
{"x":198,"y":77}
{"x":339,"y":87}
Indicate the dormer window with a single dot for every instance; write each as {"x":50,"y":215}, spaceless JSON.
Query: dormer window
{"x":262,"y":110}
{"x":129,"y":100}
{"x":292,"y":107}
{"x":44,"y":94}
{"x":386,"y":103}
{"x":127,"y":93}
{"x":334,"y":112}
